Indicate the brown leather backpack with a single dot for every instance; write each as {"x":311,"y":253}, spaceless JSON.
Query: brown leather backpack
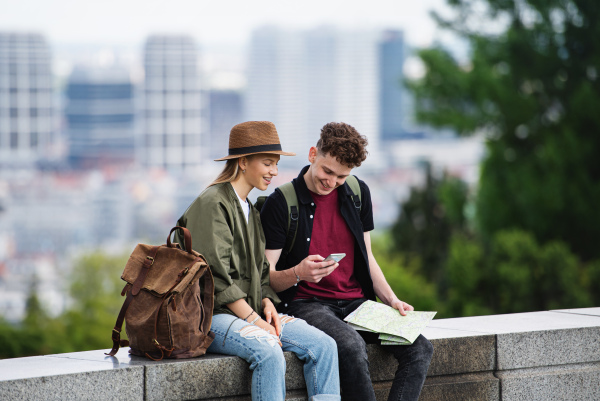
{"x":165,"y":315}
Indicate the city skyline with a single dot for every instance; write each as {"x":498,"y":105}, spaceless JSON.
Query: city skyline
{"x":129,"y":22}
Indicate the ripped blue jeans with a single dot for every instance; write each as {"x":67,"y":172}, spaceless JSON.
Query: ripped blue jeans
{"x":318,"y":352}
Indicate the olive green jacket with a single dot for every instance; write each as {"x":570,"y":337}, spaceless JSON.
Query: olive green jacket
{"x":234,"y":249}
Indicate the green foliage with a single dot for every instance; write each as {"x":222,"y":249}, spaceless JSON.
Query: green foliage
{"x":405,"y":280}
{"x":467,"y":278}
{"x":592,"y":280}
{"x":515,"y":274}
{"x":86,"y":325}
{"x":426,"y":220}
{"x":511,"y":272}
{"x":534,"y":88}
{"x":95,"y":290}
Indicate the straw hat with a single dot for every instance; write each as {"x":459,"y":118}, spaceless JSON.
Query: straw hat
{"x":254,"y":137}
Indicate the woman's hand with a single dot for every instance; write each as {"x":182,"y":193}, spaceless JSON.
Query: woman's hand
{"x":268,"y":328}
{"x":271,"y":315}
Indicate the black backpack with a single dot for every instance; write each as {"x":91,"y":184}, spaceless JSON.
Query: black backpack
{"x":289,"y":193}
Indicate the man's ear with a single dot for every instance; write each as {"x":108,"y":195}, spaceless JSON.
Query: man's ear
{"x":312,"y":154}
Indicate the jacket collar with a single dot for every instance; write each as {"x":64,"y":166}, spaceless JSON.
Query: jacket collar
{"x":303,"y":193}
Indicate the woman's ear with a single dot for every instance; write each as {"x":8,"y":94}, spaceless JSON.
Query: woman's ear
{"x":242,"y":163}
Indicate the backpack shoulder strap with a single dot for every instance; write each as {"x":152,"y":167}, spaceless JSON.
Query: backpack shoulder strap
{"x":356,"y":194}
{"x":260,"y":201}
{"x":289,"y":193}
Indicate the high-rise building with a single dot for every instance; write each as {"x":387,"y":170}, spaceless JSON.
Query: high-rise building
{"x":26,"y":106}
{"x":173,"y":106}
{"x":100,"y":116}
{"x":302,"y":80}
{"x":277,"y":84}
{"x":391,"y":88}
{"x":225,"y":112}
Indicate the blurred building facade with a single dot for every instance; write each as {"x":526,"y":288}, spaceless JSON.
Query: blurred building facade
{"x":301,"y":80}
{"x":100,"y":115}
{"x":174,"y":111}
{"x":226,"y":110}
{"x":27,"y":126}
{"x":276,"y":84}
{"x":391,"y":88}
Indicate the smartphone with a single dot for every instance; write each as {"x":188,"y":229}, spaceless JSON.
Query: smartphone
{"x":336,"y":257}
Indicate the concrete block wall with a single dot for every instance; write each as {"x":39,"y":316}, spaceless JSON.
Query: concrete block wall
{"x":553,"y":355}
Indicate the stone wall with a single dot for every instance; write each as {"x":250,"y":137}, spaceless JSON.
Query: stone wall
{"x":553,"y":355}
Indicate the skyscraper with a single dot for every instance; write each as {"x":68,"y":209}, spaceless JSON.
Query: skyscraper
{"x":225,"y":112}
{"x":26,"y":107}
{"x":173,"y":107}
{"x":391,"y":64}
{"x":301,"y":80}
{"x":100,"y":116}
{"x":276,"y":89}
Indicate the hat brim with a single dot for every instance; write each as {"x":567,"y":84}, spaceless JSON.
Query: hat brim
{"x":273,"y":152}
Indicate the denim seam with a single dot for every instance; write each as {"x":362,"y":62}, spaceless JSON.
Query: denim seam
{"x":243,"y":345}
{"x":404,"y":373}
{"x":314,"y":359}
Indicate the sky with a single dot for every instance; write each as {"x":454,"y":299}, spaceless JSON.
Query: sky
{"x":214,"y":22}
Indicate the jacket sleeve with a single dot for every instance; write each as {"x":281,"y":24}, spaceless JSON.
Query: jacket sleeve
{"x":209,"y":223}
{"x":267,"y":291}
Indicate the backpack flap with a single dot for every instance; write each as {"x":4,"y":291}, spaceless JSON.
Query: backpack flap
{"x":168,"y":265}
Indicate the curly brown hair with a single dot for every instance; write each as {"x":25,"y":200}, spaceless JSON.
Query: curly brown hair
{"x":342,"y":141}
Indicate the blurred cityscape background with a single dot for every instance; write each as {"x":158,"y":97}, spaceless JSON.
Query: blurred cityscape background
{"x":483,"y":180}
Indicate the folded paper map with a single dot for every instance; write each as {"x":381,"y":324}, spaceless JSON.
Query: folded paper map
{"x":393,"y":328}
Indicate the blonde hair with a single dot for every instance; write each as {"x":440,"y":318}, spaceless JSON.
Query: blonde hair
{"x":230,"y":172}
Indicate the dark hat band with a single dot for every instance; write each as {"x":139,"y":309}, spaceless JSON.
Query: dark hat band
{"x":255,"y":149}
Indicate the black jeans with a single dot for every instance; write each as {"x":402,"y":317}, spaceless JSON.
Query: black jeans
{"x":355,"y":380}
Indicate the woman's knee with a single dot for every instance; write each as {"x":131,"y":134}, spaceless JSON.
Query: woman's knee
{"x":326,"y":345}
{"x":272,"y":356}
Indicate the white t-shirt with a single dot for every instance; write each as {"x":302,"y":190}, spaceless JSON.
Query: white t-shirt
{"x":245,"y":207}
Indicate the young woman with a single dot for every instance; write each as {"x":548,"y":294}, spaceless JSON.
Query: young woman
{"x":226,"y":229}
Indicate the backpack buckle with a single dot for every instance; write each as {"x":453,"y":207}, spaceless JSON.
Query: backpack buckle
{"x":294,"y":213}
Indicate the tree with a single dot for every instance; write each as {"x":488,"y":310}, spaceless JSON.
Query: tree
{"x":95,"y":291}
{"x":516,"y":274}
{"x":94,"y":287}
{"x":534,"y":89}
{"x":426,"y":221}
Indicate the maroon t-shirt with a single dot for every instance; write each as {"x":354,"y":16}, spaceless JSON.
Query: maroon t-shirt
{"x":330,"y":234}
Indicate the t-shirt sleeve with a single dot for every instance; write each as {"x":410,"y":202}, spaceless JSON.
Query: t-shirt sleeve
{"x":366,"y":210}
{"x":273,"y":217}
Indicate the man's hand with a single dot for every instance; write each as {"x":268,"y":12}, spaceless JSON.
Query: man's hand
{"x":313,"y":269}
{"x":402,"y":307}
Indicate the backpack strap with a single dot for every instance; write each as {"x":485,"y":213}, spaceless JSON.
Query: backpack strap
{"x":356,"y":194}
{"x":289,"y":193}
{"x":260,"y":201}
{"x":137,"y":285}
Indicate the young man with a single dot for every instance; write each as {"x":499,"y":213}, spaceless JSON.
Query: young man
{"x":331,"y":220}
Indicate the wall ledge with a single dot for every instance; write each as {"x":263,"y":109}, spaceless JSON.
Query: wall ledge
{"x":533,"y":356}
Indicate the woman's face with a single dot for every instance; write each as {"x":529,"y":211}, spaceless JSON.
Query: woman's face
{"x":260,"y":169}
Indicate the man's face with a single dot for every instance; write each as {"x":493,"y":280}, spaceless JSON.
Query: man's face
{"x":325,"y":173}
